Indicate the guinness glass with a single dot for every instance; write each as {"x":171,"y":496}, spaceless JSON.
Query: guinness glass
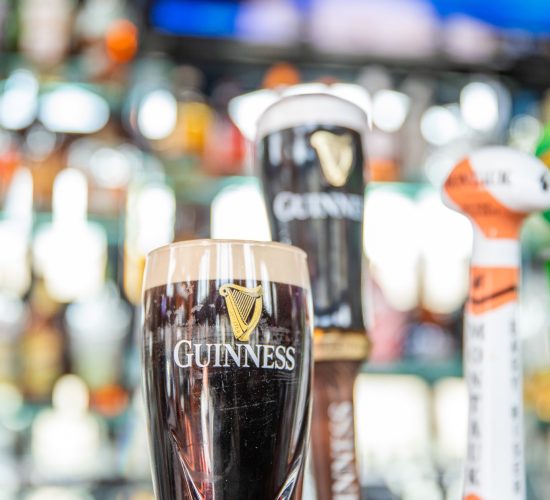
{"x":310,"y":153}
{"x":227,"y":369}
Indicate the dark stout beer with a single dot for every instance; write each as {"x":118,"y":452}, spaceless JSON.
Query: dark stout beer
{"x":310,"y":156}
{"x":227,"y":373}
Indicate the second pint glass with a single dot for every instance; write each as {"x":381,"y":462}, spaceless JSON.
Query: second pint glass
{"x":227,"y":369}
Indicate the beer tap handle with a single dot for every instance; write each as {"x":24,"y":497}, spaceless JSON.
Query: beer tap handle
{"x":496,"y":188}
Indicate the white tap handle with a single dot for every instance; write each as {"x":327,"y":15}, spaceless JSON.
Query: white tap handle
{"x":494,"y":466}
{"x":495,"y":188}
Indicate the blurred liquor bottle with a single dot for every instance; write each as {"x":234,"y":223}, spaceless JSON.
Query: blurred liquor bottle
{"x":71,"y":252}
{"x":387,"y":118}
{"x":45,"y":30}
{"x":150,"y":219}
{"x":97,"y":328}
{"x":225,"y":146}
{"x":109,"y":163}
{"x":537,"y":359}
{"x":15,"y":235}
{"x":10,"y":160}
{"x":42,"y":346}
{"x":43,"y":153}
{"x":194,"y":114}
{"x":84,"y":454}
{"x":12,"y":317}
{"x":186,"y":114}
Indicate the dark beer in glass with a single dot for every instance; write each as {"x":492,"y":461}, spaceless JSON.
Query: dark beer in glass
{"x":227,"y":369}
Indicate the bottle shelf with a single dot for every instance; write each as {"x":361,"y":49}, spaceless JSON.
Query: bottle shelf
{"x":429,"y":371}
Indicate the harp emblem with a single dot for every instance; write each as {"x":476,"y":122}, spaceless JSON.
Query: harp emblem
{"x":335,"y":154}
{"x":244,"y":306}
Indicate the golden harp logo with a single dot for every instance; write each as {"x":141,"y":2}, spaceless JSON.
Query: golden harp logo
{"x":244,"y":306}
{"x":335,"y":154}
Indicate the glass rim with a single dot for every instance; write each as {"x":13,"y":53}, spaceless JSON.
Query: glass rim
{"x":211,"y":242}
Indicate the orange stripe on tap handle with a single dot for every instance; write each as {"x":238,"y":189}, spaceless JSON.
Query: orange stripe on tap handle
{"x":473,"y":198}
{"x":492,"y":287}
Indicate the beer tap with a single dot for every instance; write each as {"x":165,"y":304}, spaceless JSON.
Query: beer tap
{"x":496,"y":188}
{"x":310,"y":153}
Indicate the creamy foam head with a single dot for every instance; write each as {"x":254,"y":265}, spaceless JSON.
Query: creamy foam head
{"x":226,"y":260}
{"x":311,"y":109}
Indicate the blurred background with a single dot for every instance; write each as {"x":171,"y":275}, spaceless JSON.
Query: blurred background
{"x":119,"y":132}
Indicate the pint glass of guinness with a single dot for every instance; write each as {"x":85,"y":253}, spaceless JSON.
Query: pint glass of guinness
{"x":309,"y":152}
{"x":227,"y":369}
